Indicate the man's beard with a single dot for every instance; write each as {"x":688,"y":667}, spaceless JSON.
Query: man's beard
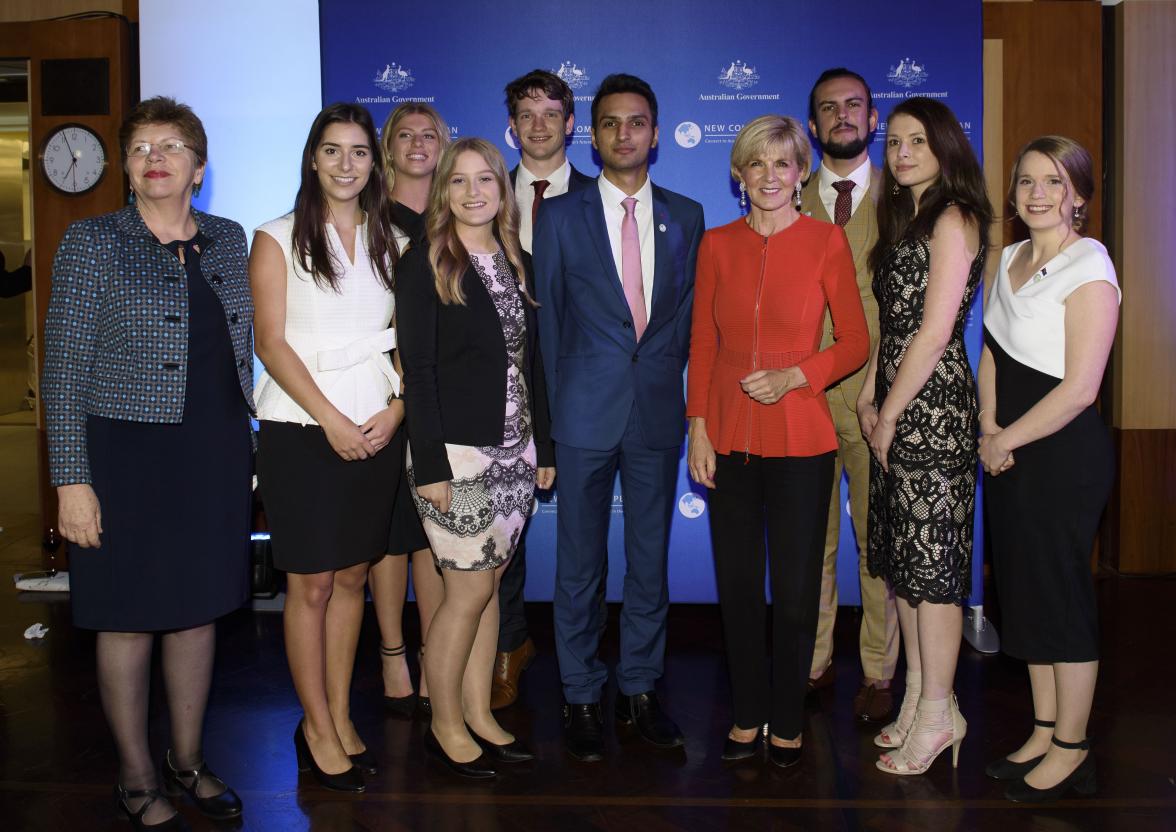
{"x":845,"y":150}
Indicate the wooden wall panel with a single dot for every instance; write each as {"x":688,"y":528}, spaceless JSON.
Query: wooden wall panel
{"x":35,"y":41}
{"x":1052,"y":81}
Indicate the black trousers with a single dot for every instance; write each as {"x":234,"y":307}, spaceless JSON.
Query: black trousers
{"x":788,"y":498}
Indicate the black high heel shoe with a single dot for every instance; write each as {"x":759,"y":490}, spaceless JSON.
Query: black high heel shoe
{"x":403,"y":706}
{"x":782,"y":755}
{"x":1082,"y":779}
{"x":223,"y":806}
{"x":366,"y":762}
{"x":175,"y":823}
{"x":479,"y":768}
{"x":424,"y":706}
{"x":1006,"y":769}
{"x":734,"y":750}
{"x":511,"y":752}
{"x":346,"y":781}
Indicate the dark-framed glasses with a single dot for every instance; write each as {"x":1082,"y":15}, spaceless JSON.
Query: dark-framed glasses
{"x":168,"y":147}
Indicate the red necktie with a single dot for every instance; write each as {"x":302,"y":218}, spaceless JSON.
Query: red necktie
{"x":842,"y":207}
{"x":540,"y":185}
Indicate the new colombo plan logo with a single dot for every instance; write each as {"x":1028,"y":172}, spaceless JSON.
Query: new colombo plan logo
{"x":688,"y":134}
{"x":691,"y":505}
{"x":907,"y":74}
{"x":393,"y":77}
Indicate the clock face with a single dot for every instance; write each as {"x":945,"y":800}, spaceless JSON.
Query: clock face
{"x":74,"y":159}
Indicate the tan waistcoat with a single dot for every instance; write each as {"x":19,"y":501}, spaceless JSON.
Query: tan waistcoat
{"x":862,"y":233}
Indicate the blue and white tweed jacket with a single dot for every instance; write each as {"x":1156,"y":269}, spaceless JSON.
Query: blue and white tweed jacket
{"x":116,"y":333}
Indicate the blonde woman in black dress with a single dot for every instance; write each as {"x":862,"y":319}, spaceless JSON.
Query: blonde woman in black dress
{"x":1049,"y":325}
{"x":918,"y":414}
{"x":479,"y":434}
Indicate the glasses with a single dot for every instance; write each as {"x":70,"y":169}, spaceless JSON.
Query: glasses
{"x":170,"y":147}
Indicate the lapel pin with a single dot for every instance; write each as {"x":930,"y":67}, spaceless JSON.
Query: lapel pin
{"x":662,"y":228}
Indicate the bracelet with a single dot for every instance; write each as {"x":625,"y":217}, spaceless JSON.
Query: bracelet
{"x":981,"y":413}
{"x":391,"y":398}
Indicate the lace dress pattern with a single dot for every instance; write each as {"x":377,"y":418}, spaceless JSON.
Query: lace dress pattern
{"x":922,"y":510}
{"x":493,"y":487}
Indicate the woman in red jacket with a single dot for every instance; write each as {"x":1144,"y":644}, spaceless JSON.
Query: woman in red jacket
{"x":761,"y":437}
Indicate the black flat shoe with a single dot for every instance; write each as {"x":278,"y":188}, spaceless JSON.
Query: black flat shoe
{"x":643,"y":711}
{"x":784,"y":757}
{"x":511,"y":752}
{"x":175,"y":823}
{"x":1082,"y":780}
{"x":584,"y":732}
{"x":404,"y":706}
{"x":734,"y":750}
{"x":223,"y":806}
{"x":345,"y":781}
{"x":480,"y":768}
{"x":366,"y":762}
{"x":1006,"y":769}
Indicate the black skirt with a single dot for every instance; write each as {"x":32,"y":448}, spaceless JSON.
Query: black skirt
{"x":175,"y":498}
{"x":324,"y":512}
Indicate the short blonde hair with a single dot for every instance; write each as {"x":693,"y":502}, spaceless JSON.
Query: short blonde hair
{"x":758,"y":133}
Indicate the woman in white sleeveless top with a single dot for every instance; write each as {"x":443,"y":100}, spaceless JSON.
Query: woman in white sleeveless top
{"x":1048,"y":328}
{"x":329,"y":450}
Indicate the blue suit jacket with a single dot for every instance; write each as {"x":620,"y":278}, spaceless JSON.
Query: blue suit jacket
{"x":596,"y":370}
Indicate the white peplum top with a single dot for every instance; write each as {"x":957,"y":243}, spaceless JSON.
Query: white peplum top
{"x":343,"y":336}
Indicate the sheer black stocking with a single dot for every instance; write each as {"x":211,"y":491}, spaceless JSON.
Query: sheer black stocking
{"x":187,"y":674}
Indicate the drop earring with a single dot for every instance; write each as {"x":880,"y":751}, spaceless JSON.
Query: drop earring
{"x":1077,"y":212}
{"x":894,"y":189}
{"x":797,"y":193}
{"x":131,"y":196}
{"x":742,"y":197}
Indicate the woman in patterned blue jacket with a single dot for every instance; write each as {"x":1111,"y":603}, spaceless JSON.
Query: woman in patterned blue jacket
{"x":148,"y":390}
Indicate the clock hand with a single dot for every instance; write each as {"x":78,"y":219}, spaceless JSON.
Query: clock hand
{"x":65,"y":138}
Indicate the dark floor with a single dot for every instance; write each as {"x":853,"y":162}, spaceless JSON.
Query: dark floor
{"x":57,"y":764}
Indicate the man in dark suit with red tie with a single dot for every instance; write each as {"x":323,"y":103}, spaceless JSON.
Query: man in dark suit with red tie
{"x":614,"y":279}
{"x":542,"y":116}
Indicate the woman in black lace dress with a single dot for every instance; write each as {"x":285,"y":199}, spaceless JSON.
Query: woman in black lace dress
{"x":918,"y":413}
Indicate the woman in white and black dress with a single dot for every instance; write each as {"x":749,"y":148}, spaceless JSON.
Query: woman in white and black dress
{"x":1048,"y":329}
{"x":329,"y":450}
{"x":479,"y":433}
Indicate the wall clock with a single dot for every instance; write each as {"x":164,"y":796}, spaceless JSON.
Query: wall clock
{"x":73,"y":159}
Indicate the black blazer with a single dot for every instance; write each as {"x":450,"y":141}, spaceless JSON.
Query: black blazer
{"x":454,"y":360}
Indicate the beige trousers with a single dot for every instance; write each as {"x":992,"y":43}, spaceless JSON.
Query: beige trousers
{"x":878,"y":640}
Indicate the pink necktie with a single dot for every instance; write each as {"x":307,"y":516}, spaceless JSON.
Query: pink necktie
{"x":631,"y":267}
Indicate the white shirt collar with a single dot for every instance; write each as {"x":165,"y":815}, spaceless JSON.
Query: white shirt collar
{"x":557,"y":179}
{"x":614,"y":196}
{"x":860,"y":176}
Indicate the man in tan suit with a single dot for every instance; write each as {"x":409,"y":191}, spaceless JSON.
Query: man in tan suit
{"x":844,"y":190}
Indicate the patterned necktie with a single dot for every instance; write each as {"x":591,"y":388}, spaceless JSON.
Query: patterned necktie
{"x":540,"y":185}
{"x":631,"y":266}
{"x":841,"y":208}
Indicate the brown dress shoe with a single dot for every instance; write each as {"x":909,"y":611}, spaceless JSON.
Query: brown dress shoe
{"x":825,"y":680}
{"x":873,"y":704}
{"x":508,"y":667}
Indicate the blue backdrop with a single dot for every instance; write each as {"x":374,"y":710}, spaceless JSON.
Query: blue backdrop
{"x":713,"y":68}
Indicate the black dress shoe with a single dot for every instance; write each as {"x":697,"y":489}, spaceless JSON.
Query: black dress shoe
{"x":735,"y":750}
{"x":479,"y":768}
{"x":366,"y":762}
{"x":175,"y":823}
{"x":511,"y":752}
{"x":643,"y":711}
{"x":223,"y":806}
{"x":784,"y":757}
{"x":345,"y":781}
{"x":1006,"y":769}
{"x":1082,"y":780}
{"x":584,"y":732}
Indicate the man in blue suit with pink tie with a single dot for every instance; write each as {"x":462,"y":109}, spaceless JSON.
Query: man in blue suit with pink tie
{"x":614,"y":270}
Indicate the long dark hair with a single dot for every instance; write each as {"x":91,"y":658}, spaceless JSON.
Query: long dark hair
{"x":447,"y":255}
{"x":960,"y":182}
{"x":310,"y":215}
